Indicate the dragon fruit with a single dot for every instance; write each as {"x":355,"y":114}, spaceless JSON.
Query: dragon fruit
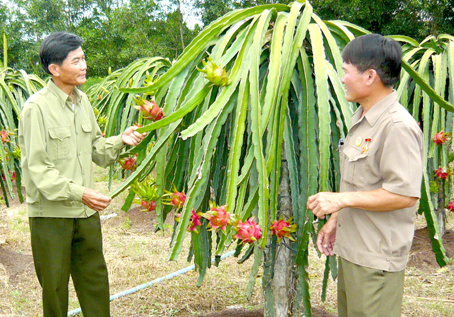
{"x":214,"y":73}
{"x":281,"y":229}
{"x":218,"y":217}
{"x":249,"y":231}
{"x":441,"y":137}
{"x":149,"y":109}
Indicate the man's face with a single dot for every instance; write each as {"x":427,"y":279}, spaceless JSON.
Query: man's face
{"x":355,"y":83}
{"x":73,"y":69}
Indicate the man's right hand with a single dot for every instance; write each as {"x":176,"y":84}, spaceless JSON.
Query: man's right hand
{"x":327,"y":236}
{"x":95,"y":200}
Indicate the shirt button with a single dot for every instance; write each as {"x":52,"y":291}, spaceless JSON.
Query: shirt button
{"x":339,"y":225}
{"x":388,"y":260}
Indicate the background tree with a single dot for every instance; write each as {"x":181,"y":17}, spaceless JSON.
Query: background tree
{"x":414,"y":18}
{"x":115,"y":32}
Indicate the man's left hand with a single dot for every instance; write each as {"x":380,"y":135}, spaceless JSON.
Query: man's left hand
{"x":324,"y":203}
{"x":131,"y":137}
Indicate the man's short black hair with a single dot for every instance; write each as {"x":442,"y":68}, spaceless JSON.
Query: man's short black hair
{"x":374,"y":51}
{"x":56,"y":47}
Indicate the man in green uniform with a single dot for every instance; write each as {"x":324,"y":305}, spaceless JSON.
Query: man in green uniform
{"x":59,"y":139}
{"x":371,"y":225}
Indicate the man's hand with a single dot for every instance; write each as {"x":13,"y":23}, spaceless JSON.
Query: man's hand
{"x":327,"y":236}
{"x":131,"y":137}
{"x":95,"y":200}
{"x":324,"y":203}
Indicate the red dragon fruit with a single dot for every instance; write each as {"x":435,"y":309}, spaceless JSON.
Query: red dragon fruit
{"x":4,"y":135}
{"x":129,"y":163}
{"x":281,"y":229}
{"x":249,"y":231}
{"x":194,"y":222}
{"x":175,"y":199}
{"x":443,"y":173}
{"x":149,"y":205}
{"x":218,"y":217}
{"x":149,"y":109}
{"x":451,"y":206}
{"x":441,"y":137}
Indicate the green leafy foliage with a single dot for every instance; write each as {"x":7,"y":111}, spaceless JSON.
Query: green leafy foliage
{"x":426,"y":90}
{"x":15,"y":88}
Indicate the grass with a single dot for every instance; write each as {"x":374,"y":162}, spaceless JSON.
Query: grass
{"x":135,"y":254}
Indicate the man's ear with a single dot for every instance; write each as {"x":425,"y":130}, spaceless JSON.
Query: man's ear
{"x":372,"y":76}
{"x":54,"y":69}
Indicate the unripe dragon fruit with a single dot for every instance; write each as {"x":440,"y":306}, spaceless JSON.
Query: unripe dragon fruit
{"x":214,"y":73}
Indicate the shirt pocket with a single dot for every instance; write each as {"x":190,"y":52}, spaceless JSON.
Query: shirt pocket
{"x":59,"y":142}
{"x":86,"y":137}
{"x":355,"y":166}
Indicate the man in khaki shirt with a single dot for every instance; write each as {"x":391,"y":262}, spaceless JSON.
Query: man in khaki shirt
{"x":371,"y":225}
{"x":59,"y":139}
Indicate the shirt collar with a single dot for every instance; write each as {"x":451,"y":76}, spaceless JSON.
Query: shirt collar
{"x":376,"y":111}
{"x":63,"y":96}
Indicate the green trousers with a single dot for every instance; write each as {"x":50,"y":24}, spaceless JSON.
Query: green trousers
{"x":66,"y":246}
{"x":366,"y":292}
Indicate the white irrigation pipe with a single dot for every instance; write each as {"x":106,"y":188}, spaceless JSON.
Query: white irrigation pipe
{"x":105,"y":217}
{"x":145,"y":285}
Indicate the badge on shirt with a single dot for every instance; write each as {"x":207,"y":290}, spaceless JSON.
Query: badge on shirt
{"x":359,"y":140}
{"x":365,"y":148}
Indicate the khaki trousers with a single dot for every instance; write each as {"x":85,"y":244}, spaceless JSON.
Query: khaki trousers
{"x":366,"y":292}
{"x":66,"y":246}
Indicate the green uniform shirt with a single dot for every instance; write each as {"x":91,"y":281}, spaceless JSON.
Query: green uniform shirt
{"x":58,"y":142}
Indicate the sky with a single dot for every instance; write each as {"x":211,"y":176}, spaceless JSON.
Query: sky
{"x":190,"y":15}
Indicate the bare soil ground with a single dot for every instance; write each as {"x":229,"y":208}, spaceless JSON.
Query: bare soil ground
{"x":136,"y":254}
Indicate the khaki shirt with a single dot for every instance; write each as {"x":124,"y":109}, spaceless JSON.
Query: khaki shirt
{"x":58,"y":142}
{"x":383,"y":149}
